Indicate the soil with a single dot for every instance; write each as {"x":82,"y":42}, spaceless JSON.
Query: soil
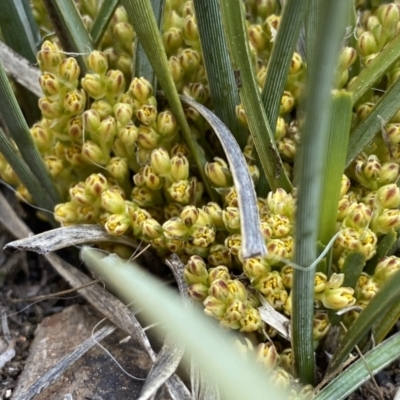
{"x":24,"y":275}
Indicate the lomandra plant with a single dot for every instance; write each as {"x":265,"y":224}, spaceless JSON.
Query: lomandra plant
{"x":256,"y":140}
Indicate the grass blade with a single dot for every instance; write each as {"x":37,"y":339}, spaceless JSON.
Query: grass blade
{"x":237,"y":378}
{"x":310,"y":161}
{"x":24,"y":173}
{"x":260,"y":127}
{"x":281,"y":57}
{"x":387,"y":296}
{"x":143,"y":67}
{"x":141,"y":16}
{"x":335,"y":159}
{"x":358,"y":373}
{"x":375,"y":70}
{"x":103,"y":18}
{"x":365,"y":131}
{"x":19,"y":131}
{"x":218,"y":65}
{"x":70,"y":29}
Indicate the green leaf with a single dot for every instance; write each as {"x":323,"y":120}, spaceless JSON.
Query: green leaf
{"x":221,"y":79}
{"x":22,"y":36}
{"x":387,"y":296}
{"x":141,"y":16}
{"x":365,"y":131}
{"x":309,"y":174}
{"x":70,"y":30}
{"x":335,"y":158}
{"x":20,"y":167}
{"x":19,"y":130}
{"x":102,"y":21}
{"x":375,"y":70}
{"x":359,"y":372}
{"x":260,"y":127}
{"x":236,"y":377}
{"x":281,"y":57}
{"x":143,"y":67}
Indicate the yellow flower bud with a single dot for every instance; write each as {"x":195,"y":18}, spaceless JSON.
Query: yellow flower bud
{"x":231,"y":219}
{"x":214,"y":307}
{"x":95,"y":184}
{"x":50,"y":85}
{"x":94,"y":85}
{"x":203,"y":236}
{"x":42,"y":136}
{"x":287,"y":276}
{"x":320,"y":281}
{"x":172,"y":40}
{"x":75,"y":102}
{"x":54,"y":165}
{"x":336,"y":299}
{"x":177,"y":71}
{"x":287,"y":103}
{"x":66,"y":213}
{"x":218,"y":173}
{"x":167,"y":125}
{"x":215,"y":213}
{"x":117,"y":224}
{"x":115,"y":83}
{"x":268,"y":283}
{"x":267,"y":355}
{"x":385,"y":268}
{"x":175,"y":229}
{"x":91,"y":119}
{"x":123,"y":113}
{"x":160,"y":161}
{"x":148,"y":138}
{"x":367,"y":44}
{"x":97,"y":62}
{"x":50,"y":109}
{"x":189,"y":215}
{"x":124,"y":33}
{"x":252,"y":321}
{"x":151,"y":229}
{"x":113,"y":201}
{"x":256,"y":267}
{"x":93,"y":153}
{"x":387,"y":196}
{"x":286,"y":360}
{"x":69,"y":71}
{"x":103,"y":108}
{"x":219,"y":255}
{"x":358,"y":217}
{"x":241,"y":115}
{"x":180,"y":191}
{"x":385,"y":221}
{"x":179,"y":168}
{"x":321,"y":326}
{"x":141,"y":89}
{"x":189,"y":60}
{"x":234,"y":243}
{"x":107,"y":130}
{"x":49,"y":57}
{"x":147,"y":114}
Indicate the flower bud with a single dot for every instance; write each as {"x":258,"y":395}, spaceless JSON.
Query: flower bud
{"x":203,"y":236}
{"x":42,"y":136}
{"x":103,"y":108}
{"x":367,"y":44}
{"x":94,"y":86}
{"x":198,"y":291}
{"x":387,"y":196}
{"x":123,"y":113}
{"x":219,"y":255}
{"x":177,"y":71}
{"x":347,"y":57}
{"x":97,"y":62}
{"x":214,"y":307}
{"x":390,"y":172}
{"x":69,"y":70}
{"x":252,"y":321}
{"x":141,"y":89}
{"x":180,"y":191}
{"x":172,"y":40}
{"x":385,"y":268}
{"x":107,"y":130}
{"x":175,"y":229}
{"x":241,"y":115}
{"x":148,"y":138}
{"x":124,"y":33}
{"x":128,"y":136}
{"x":287,"y":276}
{"x":66,"y":213}
{"x":256,"y":267}
{"x":386,"y":221}
{"x":93,"y":153}
{"x":75,"y":102}
{"x":189,"y":60}
{"x":112,"y":201}
{"x":268,"y":283}
{"x":388,"y":15}
{"x":73,"y":154}
{"x":336,"y":299}
{"x":287,"y":103}
{"x":258,"y":37}
{"x":147,"y":114}
{"x":96,"y":184}
{"x":50,"y":109}
{"x":115,"y":83}
{"x":234,"y":243}
{"x":195,"y":271}
{"x":167,"y":125}
{"x":218,"y":173}
{"x":54,"y":165}
{"x":91,"y":120}
{"x":231,"y":219}
{"x":160,"y":161}
{"x":49,"y":57}
{"x":321,"y":326}
{"x":267,"y":355}
{"x":151,"y":229}
{"x":50,"y":85}
{"x":117,"y":224}
{"x":359,"y":217}
{"x":189,"y":215}
{"x":179,"y":168}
